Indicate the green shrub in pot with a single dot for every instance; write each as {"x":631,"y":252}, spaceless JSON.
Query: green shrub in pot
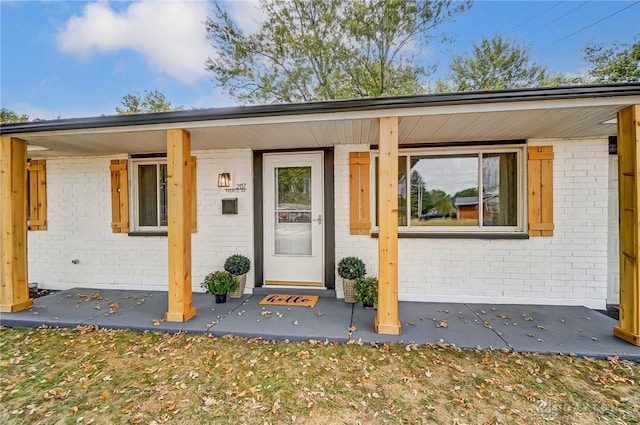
{"x":238,"y":265}
{"x":349,"y":269}
{"x":366,"y":290}
{"x":220,"y":283}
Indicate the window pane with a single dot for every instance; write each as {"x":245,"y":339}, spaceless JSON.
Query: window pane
{"x":402,"y":190}
{"x":444,"y":190}
{"x":162,"y":181}
{"x":147,"y":195}
{"x":499,"y":187}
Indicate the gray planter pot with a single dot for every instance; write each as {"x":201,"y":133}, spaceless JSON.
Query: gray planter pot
{"x":349,"y":292}
{"x":240,"y":291}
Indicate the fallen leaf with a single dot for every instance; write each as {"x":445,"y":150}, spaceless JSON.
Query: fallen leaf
{"x":456,"y":367}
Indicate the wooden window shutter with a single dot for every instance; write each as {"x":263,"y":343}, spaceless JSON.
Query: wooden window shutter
{"x":38,"y":195}
{"x":119,"y":196}
{"x":359,"y":193}
{"x":540,"y":184}
{"x":194,"y":191}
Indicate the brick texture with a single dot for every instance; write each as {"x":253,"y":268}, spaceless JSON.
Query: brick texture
{"x":569,"y":268}
{"x":79,"y":228}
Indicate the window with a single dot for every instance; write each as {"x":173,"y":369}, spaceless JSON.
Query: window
{"x":460,"y":190}
{"x":150,"y":194}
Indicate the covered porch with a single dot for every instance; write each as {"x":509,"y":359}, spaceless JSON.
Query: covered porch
{"x":522,"y":328}
{"x":386,"y":124}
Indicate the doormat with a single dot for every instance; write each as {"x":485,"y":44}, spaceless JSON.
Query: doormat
{"x":290,"y":300}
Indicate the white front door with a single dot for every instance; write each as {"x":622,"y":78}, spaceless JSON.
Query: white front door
{"x":293,"y":221}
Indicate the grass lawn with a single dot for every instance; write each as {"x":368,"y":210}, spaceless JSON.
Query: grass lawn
{"x":83,"y":375}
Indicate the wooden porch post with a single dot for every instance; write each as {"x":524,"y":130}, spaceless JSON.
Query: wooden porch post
{"x":14,"y":290}
{"x":387,"y":321}
{"x":179,"y":227}
{"x":629,"y":222}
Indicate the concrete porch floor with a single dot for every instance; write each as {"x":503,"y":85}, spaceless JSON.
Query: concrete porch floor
{"x":523,"y":328}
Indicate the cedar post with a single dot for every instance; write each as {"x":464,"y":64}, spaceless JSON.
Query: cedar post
{"x":14,"y":290}
{"x":179,"y":227}
{"x":387,"y":321}
{"x":629,"y":222}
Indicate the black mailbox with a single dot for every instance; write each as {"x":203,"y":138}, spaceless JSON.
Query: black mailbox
{"x":230,"y":206}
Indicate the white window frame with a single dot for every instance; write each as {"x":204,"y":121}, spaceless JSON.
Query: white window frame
{"x":133,"y":184}
{"x":479,"y":150}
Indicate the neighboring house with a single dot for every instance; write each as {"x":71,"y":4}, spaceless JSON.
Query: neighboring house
{"x":466,"y":208}
{"x":296,"y":187}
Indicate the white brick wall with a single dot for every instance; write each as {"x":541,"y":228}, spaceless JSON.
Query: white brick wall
{"x":569,"y":268}
{"x":79,"y":227}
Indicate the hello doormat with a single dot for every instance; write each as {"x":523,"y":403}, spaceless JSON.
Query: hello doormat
{"x":290,"y":300}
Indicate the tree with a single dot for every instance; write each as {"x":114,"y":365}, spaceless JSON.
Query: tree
{"x":308,"y":50}
{"x":418,"y":194}
{"x":439,"y":200}
{"x":153,"y":101}
{"x":495,"y":64}
{"x":466,"y":193}
{"x":617,"y":63}
{"x":7,"y":116}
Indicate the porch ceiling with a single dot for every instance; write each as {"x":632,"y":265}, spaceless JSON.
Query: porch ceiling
{"x":515,"y":120}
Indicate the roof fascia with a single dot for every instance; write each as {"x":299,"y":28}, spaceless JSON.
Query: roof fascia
{"x":620,"y":94}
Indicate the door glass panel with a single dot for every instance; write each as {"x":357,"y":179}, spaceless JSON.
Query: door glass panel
{"x":293,"y":211}
{"x":147,"y":195}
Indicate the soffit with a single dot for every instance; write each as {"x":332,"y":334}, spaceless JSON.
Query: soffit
{"x":419,"y":126}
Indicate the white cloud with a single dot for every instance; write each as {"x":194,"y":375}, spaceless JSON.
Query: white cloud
{"x":170,"y":34}
{"x":245,"y":13}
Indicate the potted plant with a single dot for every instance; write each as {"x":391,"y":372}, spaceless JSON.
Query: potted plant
{"x":350,"y":269}
{"x":220,"y":284}
{"x":238,"y":265}
{"x":366,"y":291}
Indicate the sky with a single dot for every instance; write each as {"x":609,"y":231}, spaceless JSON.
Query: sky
{"x":70,"y":59}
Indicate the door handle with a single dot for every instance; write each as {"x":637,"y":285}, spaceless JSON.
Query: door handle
{"x":319,"y":219}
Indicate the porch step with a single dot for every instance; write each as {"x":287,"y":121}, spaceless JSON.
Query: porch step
{"x":322,"y":293}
